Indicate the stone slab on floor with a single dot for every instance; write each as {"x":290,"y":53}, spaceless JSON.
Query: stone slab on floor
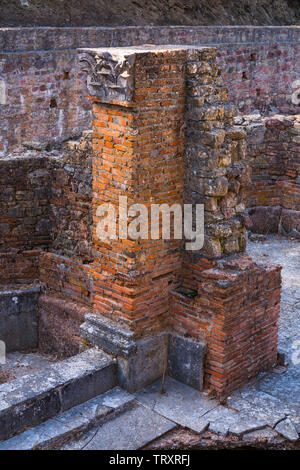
{"x":130,"y":431}
{"x":287,"y":429}
{"x":260,"y":404}
{"x":223,"y":420}
{"x":180,"y":403}
{"x":55,"y":432}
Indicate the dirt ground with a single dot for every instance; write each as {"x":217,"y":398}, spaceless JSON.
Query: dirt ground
{"x":154,"y":12}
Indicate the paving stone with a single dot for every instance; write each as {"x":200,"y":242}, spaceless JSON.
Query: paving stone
{"x":223,"y":420}
{"x":180,"y":403}
{"x":131,"y":430}
{"x":260,"y":405}
{"x":287,"y":429}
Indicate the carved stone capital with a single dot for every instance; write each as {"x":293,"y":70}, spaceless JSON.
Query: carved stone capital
{"x":110,"y":74}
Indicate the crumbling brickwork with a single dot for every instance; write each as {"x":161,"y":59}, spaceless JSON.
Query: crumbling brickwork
{"x":65,"y":270}
{"x":24,"y":193}
{"x":46,"y":236}
{"x":234,"y":304}
{"x":24,"y":216}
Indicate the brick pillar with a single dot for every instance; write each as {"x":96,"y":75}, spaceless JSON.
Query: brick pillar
{"x":138,"y":100}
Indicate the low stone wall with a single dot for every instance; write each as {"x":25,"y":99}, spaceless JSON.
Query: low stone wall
{"x":274,"y":156}
{"x":43,"y":92}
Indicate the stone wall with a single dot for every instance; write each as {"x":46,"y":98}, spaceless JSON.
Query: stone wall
{"x":43,"y":95}
{"x":64,"y":270}
{"x":70,"y":173}
{"x":274,"y":156}
{"x":215,"y":152}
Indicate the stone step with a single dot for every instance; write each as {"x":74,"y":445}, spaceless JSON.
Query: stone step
{"x":72,"y":424}
{"x":33,"y":399}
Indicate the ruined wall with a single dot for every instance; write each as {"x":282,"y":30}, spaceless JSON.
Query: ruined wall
{"x":215,"y":152}
{"x":45,"y":223}
{"x":217,"y":293}
{"x":19,"y":319}
{"x":232,"y":303}
{"x":273,"y":198}
{"x":43,"y":97}
{"x":70,"y":172}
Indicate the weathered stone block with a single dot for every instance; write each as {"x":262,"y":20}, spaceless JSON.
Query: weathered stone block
{"x":19,"y":319}
{"x":186,"y":360}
